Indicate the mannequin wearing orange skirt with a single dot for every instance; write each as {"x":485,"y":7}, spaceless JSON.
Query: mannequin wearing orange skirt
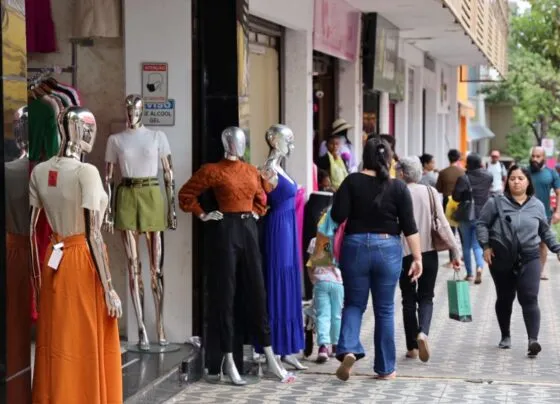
{"x":77,"y":356}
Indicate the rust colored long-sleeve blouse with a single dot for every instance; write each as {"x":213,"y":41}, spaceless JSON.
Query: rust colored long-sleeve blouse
{"x":236,"y":184}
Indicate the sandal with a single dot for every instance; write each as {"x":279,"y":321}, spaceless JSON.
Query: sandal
{"x":390,"y":376}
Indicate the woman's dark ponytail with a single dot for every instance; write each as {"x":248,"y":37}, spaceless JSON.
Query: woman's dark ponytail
{"x":377,"y":157}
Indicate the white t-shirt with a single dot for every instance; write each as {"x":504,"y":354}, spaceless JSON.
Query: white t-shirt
{"x":138,"y":152}
{"x":64,"y":187}
{"x":498,"y":171}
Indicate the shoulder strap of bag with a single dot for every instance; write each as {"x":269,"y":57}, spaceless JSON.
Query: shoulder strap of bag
{"x":433,"y":206}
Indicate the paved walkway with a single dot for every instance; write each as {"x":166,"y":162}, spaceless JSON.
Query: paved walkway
{"x":466,"y":365}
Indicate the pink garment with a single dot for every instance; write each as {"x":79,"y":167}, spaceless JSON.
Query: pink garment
{"x":315,"y":178}
{"x":338,"y":237}
{"x":39,"y":26}
{"x":300,"y":205}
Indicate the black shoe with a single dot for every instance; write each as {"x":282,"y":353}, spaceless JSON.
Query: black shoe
{"x":534,"y":349}
{"x":505,"y":343}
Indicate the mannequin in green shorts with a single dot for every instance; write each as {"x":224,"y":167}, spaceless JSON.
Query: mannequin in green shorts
{"x":139,"y":206}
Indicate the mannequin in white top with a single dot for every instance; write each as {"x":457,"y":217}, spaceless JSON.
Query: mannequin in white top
{"x":139,"y":206}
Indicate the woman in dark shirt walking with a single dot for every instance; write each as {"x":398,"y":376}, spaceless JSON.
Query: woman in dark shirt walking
{"x":377,"y":209}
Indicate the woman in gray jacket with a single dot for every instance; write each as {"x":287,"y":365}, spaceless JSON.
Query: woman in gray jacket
{"x":525,"y":215}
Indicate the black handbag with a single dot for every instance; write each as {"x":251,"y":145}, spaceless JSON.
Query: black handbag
{"x":504,"y":242}
{"x":465,"y":211}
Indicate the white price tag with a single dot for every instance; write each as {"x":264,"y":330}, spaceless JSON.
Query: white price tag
{"x":56,"y":256}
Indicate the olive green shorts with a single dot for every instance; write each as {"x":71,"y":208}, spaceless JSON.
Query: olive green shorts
{"x":140,"y":206}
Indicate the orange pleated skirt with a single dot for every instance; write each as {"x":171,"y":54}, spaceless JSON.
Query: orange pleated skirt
{"x":18,"y":330}
{"x":77,"y":358}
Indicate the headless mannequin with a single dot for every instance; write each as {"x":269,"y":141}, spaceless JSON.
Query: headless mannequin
{"x":280,"y":139}
{"x":134,"y":110}
{"x":241,"y":220}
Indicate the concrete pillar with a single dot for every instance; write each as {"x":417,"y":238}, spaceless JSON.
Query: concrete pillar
{"x":401,"y":121}
{"x":298,"y":103}
{"x":384,"y":112}
{"x":157,"y":47}
{"x":350,"y":101}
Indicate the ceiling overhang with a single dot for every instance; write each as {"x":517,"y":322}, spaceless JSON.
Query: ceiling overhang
{"x":429,"y":26}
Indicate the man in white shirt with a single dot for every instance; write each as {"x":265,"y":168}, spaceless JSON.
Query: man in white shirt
{"x":498,"y":171}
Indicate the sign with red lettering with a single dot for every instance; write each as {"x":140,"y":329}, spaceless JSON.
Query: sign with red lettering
{"x":154,"y":82}
{"x":53,"y":178}
{"x":336,"y":28}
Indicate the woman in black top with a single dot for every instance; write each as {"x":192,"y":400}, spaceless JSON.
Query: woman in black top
{"x":475,"y":185}
{"x":377,"y":209}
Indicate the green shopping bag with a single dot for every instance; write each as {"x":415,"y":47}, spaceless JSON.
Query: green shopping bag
{"x":459,"y":298}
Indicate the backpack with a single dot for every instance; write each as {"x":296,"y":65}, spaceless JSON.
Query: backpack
{"x":504,"y":243}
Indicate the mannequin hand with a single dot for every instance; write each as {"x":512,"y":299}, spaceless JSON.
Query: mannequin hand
{"x":214,"y":215}
{"x":257,"y":217}
{"x":172,"y":221}
{"x":108,"y":224}
{"x":114,"y":305}
{"x":415,"y":271}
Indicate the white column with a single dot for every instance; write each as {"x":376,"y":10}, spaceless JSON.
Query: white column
{"x":415,"y":132}
{"x":401,"y":121}
{"x":453,"y":120}
{"x":157,"y":45}
{"x":350,"y":101}
{"x":432,"y":130}
{"x":384,"y":112}
{"x":298,"y":103}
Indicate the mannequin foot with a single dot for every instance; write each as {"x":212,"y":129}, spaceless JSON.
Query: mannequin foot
{"x":143,"y":341}
{"x":163,"y":342}
{"x":293,"y":361}
{"x":275,"y":367}
{"x":229,"y":368}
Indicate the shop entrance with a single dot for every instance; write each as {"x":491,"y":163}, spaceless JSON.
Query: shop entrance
{"x":324,"y":98}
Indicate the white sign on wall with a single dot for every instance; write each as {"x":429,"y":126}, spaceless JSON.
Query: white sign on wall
{"x":159,"y":113}
{"x":154,"y":82}
{"x":548,"y":146}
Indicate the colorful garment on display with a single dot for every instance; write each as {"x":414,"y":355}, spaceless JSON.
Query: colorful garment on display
{"x":97,"y":19}
{"x":282,"y":258}
{"x":77,"y":341}
{"x":39,"y":27}
{"x":237,"y":186}
{"x":300,"y":208}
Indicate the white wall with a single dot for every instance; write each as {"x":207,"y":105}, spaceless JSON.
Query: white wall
{"x":168,"y":41}
{"x":293,"y":14}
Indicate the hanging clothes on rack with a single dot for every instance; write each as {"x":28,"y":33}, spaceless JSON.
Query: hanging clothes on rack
{"x":39,"y":27}
{"x":46,"y":99}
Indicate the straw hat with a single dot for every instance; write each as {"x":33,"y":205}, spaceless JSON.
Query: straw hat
{"x":340,"y":125}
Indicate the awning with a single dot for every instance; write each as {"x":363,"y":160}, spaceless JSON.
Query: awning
{"x":477,"y":131}
{"x":466,"y":109}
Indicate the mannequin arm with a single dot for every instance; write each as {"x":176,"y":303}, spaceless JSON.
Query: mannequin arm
{"x":108,"y":220}
{"x":99,"y":252}
{"x":35,"y":262}
{"x":169,"y":179}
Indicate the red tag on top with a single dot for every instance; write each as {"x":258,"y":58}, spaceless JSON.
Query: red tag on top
{"x":53,"y":178}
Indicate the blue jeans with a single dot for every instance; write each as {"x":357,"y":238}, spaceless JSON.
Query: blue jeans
{"x":370,"y":262}
{"x":470,"y":242}
{"x":328,"y":297}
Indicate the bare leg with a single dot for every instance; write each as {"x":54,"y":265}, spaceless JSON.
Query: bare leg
{"x":544,"y":255}
{"x":156,"y":274}
{"x":130,"y":240}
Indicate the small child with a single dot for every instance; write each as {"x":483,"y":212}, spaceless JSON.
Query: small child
{"x":328,"y":292}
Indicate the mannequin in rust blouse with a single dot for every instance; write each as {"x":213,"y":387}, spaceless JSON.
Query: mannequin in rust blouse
{"x":241,"y":200}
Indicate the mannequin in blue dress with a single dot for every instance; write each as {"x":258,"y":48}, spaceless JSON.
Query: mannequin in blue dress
{"x":281,"y":252}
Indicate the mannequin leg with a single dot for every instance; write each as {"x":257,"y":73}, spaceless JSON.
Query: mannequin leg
{"x":130,"y":240}
{"x":153,"y":239}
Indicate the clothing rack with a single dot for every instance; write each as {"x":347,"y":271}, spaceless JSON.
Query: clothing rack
{"x":73,"y":68}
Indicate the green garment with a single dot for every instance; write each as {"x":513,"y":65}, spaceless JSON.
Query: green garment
{"x":43,"y":132}
{"x":140,"y":208}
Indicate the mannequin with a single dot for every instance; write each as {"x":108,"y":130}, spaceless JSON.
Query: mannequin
{"x":281,"y":250}
{"x":77,"y":330}
{"x":18,"y":265}
{"x":240,"y":196}
{"x":140,"y":207}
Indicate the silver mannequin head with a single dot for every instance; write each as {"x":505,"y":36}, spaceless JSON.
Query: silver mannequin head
{"x":20,"y":128}
{"x":234,"y":141}
{"x":78,"y":130}
{"x":280,"y":138}
{"x":134,"y":110}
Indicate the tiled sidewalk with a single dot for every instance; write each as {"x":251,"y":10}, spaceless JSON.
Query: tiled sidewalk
{"x":466,"y":365}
